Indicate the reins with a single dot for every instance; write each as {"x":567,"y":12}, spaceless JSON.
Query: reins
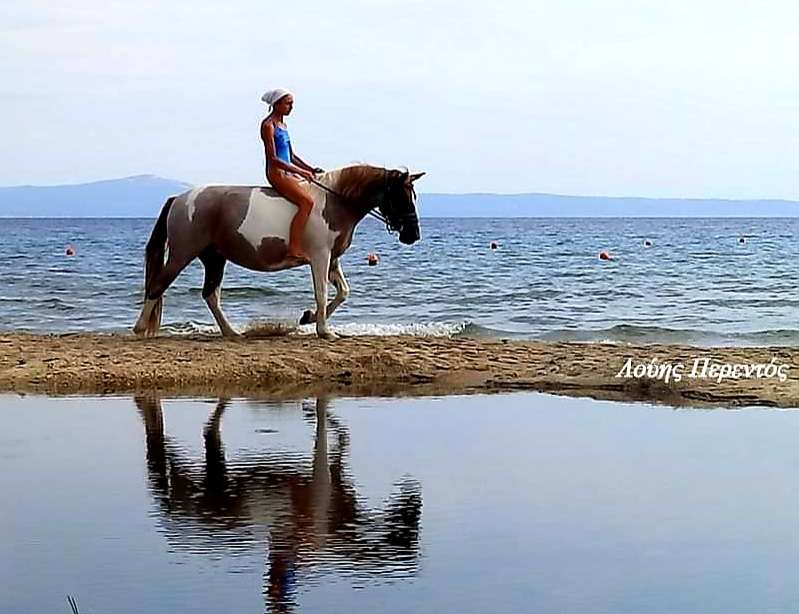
{"x":374,"y":211}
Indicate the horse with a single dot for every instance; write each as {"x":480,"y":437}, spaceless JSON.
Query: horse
{"x":304,"y":514}
{"x":249,"y":226}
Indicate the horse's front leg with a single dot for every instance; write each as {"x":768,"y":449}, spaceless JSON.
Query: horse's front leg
{"x":321,"y":480}
{"x":336,"y":276}
{"x":320,"y":266}
{"x":342,"y":287}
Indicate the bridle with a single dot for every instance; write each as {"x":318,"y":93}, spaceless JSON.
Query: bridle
{"x":374,"y":210}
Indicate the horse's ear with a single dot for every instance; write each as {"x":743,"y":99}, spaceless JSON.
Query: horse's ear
{"x":416,"y":176}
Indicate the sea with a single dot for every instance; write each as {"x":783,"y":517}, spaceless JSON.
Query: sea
{"x":699,"y":281}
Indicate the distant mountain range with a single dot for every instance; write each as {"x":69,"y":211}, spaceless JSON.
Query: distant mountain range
{"x":143,"y":196}
{"x":139,"y":196}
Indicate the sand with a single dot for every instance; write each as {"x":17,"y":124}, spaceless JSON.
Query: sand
{"x":291,"y":366}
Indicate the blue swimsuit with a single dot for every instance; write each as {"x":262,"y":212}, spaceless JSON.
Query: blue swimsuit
{"x":282,"y":144}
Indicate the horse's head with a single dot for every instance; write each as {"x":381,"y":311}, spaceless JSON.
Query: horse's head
{"x":398,"y":204}
{"x":390,"y":191}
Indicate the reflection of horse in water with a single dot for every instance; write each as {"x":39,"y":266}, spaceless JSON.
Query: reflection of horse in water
{"x":308,"y":518}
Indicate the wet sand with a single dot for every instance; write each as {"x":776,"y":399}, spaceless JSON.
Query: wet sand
{"x":299,"y":365}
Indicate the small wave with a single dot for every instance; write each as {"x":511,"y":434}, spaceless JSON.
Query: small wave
{"x":56,"y":304}
{"x":353,"y":329}
{"x":416,"y":329}
{"x":189,"y":328}
{"x":476,"y":331}
{"x":629,"y":333}
{"x":619,"y":334}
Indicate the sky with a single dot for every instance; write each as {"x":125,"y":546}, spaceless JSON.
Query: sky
{"x":599,"y":97}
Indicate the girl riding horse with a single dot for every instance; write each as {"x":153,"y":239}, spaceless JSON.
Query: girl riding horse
{"x":249,"y":226}
{"x":283,"y":166}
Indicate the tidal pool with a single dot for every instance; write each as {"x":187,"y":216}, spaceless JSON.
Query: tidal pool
{"x":497,"y":503}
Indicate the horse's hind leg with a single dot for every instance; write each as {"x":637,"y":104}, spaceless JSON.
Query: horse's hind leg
{"x":150,"y":318}
{"x":214,"y":264}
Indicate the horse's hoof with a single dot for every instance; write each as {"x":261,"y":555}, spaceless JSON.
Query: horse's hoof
{"x":328,"y":336}
{"x":307,"y":317}
{"x":141,"y":332}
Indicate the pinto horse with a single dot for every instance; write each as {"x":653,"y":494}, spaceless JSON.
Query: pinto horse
{"x":250,"y":227}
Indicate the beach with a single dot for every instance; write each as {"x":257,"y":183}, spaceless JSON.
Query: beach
{"x":300,"y":365}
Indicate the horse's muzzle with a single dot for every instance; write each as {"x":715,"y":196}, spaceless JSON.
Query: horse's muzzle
{"x":410,"y":233}
{"x":409,"y":228}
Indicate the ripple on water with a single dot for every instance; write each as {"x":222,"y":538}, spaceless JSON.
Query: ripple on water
{"x":546,"y":268}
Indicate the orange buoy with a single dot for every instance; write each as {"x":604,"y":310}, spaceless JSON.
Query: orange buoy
{"x":604,"y":256}
{"x":372,"y":259}
{"x":70,"y":251}
{"x":493,"y":245}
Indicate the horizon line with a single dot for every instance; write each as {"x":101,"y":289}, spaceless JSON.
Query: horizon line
{"x":469,"y":193}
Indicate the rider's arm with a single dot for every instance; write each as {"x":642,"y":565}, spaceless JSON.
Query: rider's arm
{"x":268,"y":137}
{"x":302,"y":163}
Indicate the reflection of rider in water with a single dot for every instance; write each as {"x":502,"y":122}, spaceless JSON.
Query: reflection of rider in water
{"x":282,"y":581}
{"x":283,"y":166}
{"x":313,"y":520}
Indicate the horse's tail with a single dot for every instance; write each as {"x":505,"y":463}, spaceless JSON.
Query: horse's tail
{"x":150,"y":319}
{"x":156,"y":248}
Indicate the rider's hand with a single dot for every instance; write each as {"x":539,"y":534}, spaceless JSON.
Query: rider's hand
{"x":307,"y":175}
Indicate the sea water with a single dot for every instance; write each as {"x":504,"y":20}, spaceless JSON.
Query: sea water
{"x":700,"y":281}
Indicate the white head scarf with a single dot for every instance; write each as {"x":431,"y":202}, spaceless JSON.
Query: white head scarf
{"x":272,"y":96}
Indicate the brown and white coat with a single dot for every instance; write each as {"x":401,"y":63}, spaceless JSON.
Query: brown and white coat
{"x":249,"y":225}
